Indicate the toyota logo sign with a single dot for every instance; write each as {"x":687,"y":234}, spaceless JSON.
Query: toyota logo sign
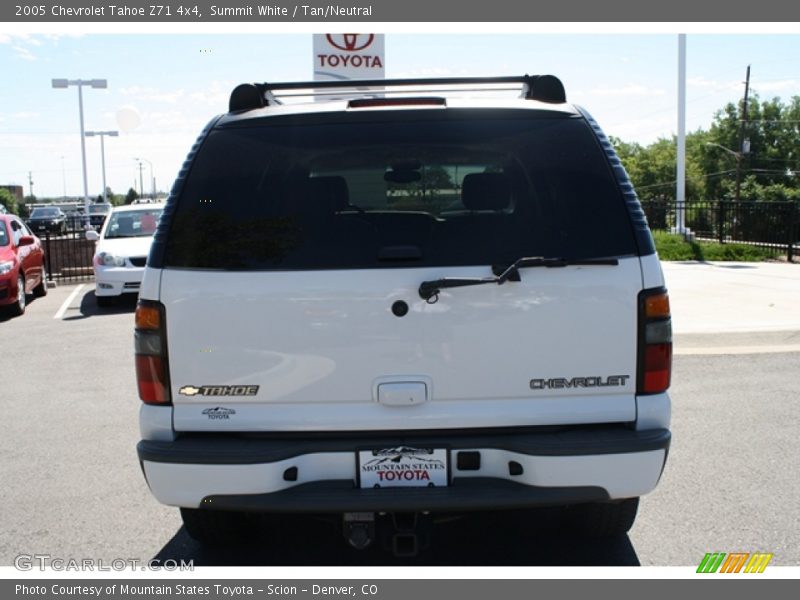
{"x":342,"y":56}
{"x":350,"y":42}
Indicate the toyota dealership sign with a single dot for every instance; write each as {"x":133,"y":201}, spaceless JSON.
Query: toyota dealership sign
{"x":339,"y":56}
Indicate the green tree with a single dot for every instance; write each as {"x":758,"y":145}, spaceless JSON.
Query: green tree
{"x":769,"y":171}
{"x":24,"y":211}
{"x":8,"y":200}
{"x":653,"y":168}
{"x":131,"y":196}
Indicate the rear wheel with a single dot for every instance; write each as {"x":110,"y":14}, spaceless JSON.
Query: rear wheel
{"x":602,"y":519}
{"x":18,"y":307}
{"x":216,"y":527}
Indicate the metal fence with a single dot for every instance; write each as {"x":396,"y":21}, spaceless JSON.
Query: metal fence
{"x":68,"y":255}
{"x":772,"y":226}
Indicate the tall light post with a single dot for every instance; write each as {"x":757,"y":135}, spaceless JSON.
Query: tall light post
{"x":680,"y":176}
{"x":63,"y":178}
{"x":102,"y":135}
{"x":152,"y":181}
{"x":97,"y":84}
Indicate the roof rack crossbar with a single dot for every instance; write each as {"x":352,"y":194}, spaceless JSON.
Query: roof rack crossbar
{"x":383,"y":92}
{"x":544,"y":88}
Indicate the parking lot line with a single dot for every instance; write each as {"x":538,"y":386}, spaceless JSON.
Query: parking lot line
{"x":68,"y":301}
{"x":737,"y":350}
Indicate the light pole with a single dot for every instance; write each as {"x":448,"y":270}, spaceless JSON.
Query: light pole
{"x":102,"y":135}
{"x":63,"y":178}
{"x":97,"y":84}
{"x":738,"y":157}
{"x":152,"y":181}
{"x":680,"y":175}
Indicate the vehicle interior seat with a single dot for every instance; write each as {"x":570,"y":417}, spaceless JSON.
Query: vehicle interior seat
{"x":125,"y":225}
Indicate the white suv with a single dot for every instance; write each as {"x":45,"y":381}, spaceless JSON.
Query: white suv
{"x":402,"y":305}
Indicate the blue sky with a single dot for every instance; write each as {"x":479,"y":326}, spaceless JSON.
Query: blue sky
{"x":176,"y":82}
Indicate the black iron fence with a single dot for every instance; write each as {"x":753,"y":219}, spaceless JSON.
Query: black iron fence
{"x":773,"y":226}
{"x":68,"y":255}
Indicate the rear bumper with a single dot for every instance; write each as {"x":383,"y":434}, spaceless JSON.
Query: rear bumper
{"x":319,"y":474}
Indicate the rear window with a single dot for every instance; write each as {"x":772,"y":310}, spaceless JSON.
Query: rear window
{"x":478,"y":188}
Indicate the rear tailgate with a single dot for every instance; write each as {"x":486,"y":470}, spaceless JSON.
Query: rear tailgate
{"x":310,"y":350}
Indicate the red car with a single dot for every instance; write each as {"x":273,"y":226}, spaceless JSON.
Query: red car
{"x":22,"y":269}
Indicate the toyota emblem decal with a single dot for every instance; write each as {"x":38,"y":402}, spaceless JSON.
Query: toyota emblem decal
{"x":350,"y":42}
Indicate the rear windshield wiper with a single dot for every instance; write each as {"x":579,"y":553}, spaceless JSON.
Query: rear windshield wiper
{"x":429,"y":290}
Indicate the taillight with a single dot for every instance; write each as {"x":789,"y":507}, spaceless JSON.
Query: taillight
{"x":152,"y":373}
{"x":655,"y":342}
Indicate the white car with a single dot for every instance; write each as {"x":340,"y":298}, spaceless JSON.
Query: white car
{"x":381,"y":309}
{"x":122,"y":248}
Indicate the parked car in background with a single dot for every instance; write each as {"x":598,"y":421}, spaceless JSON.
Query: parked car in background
{"x":48,"y":218}
{"x":122,"y":247}
{"x":98,"y":213}
{"x":75,"y":218}
{"x":22,"y":269}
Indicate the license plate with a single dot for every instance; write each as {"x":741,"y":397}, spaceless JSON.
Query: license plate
{"x":403,"y":466}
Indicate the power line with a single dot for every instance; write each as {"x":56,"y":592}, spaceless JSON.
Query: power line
{"x":710,"y":175}
{"x":671,"y":183}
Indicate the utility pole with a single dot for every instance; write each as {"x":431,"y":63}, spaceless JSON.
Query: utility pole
{"x":141,"y":182}
{"x":30,"y":182}
{"x":741,"y":137}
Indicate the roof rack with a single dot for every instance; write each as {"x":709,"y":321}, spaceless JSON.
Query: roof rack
{"x":248,"y":96}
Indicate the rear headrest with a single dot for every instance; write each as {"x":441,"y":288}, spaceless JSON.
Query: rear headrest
{"x":486,"y":191}
{"x":148,"y":223}
{"x":125,"y":224}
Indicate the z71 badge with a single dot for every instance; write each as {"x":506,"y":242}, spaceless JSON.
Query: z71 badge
{"x":219,"y":390}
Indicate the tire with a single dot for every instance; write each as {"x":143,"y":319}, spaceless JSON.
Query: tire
{"x":602,"y":519}
{"x":18,"y":308}
{"x":216,"y":527}
{"x":105,"y":301}
{"x":41,"y":289}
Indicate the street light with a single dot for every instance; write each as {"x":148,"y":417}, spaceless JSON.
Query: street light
{"x":97,"y":84}
{"x":738,"y":156}
{"x":102,"y":135}
{"x":152,"y":181}
{"x":63,"y":178}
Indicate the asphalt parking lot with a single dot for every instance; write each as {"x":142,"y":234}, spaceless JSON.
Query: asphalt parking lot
{"x":72,"y":487}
